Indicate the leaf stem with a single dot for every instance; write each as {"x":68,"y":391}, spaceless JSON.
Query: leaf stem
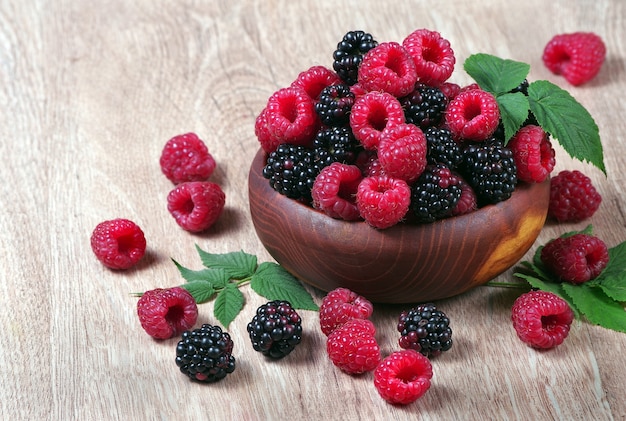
{"x":506,"y":284}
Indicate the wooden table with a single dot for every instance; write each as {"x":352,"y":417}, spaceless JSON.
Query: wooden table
{"x":89,"y":95}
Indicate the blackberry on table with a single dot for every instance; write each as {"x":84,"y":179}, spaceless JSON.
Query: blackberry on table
{"x":334,"y":105}
{"x":291,"y":171}
{"x":435,"y":193}
{"x":276,"y":329}
{"x":349,"y":54}
{"x":442,"y":148}
{"x":336,"y":144}
{"x":425,"y":106}
{"x":425,"y":329}
{"x":205,"y":354}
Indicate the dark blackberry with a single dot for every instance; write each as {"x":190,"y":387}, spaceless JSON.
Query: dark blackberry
{"x":291,"y":171}
{"x":204,"y":354}
{"x":442,"y":148}
{"x":435,"y":193}
{"x":490,"y":169}
{"x":425,"y":106}
{"x":336,"y":144}
{"x":276,"y":329}
{"x":349,"y":54}
{"x":334,"y":105}
{"x":425,"y":329}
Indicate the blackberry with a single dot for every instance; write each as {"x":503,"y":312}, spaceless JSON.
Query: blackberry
{"x":442,"y":148}
{"x":425,"y":106}
{"x":291,"y":171}
{"x":522,"y":87}
{"x":336,"y":144}
{"x":349,"y":54}
{"x":334,"y":105}
{"x":425,"y":329}
{"x":435,"y":193}
{"x":204,"y":354}
{"x":489,"y":167}
{"x":276,"y":329}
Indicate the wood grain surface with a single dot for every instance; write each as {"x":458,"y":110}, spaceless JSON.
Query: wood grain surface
{"x":89,"y":94}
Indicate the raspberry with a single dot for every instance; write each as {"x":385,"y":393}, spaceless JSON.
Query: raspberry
{"x":402,"y":152}
{"x":268,"y":142}
{"x":165,"y":313}
{"x":403,"y":377}
{"x":314,"y":80}
{"x":433,"y":57}
{"x":425,"y":329}
{"x":334,"y":105}
{"x":383,"y":201}
{"x":577,"y":56}
{"x":291,"y":171}
{"x":388,"y":68}
{"x":435,"y":193}
{"x":449,"y":89}
{"x":353,"y":347}
{"x":118,"y":243}
{"x":575,"y":259}
{"x":467,"y":202}
{"x":341,"y":305}
{"x":573,"y":197}
{"x":335,"y":189}
{"x":276,"y":329}
{"x":473,"y":115}
{"x":336,"y":144}
{"x":349,"y":54}
{"x":371,"y":114}
{"x":196,"y":205}
{"x":541,"y":319}
{"x":442,"y":148}
{"x":368,"y":163}
{"x":205,"y":354}
{"x":533,"y":154}
{"x":424,"y":106}
{"x":291,"y":116}
{"x":186,"y":158}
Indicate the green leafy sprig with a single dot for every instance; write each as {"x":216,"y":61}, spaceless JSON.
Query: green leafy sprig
{"x":600,"y":300}
{"x":556,"y":111}
{"x":224,"y":274}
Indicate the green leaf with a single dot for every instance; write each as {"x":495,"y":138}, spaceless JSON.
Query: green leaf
{"x":597,"y":307}
{"x":568,"y":121}
{"x":494,"y":74}
{"x":612,"y":280}
{"x":514,"y":111}
{"x":217,"y":277}
{"x":273,"y":282}
{"x":228,"y":304}
{"x":237,"y":264}
{"x":201,"y":291}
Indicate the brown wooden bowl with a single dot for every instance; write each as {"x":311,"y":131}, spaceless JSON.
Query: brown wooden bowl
{"x":402,"y":264}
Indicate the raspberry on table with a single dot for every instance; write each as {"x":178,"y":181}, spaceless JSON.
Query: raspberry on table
{"x":196,"y":205}
{"x":442,"y":148}
{"x":276,"y":329}
{"x":334,"y":191}
{"x":205,"y":354}
{"x":167,"y":312}
{"x":402,"y":152}
{"x":575,"y":259}
{"x":424,"y":106}
{"x":341,"y":305}
{"x":383,"y":201}
{"x":349,"y":54}
{"x":541,"y":319}
{"x":334,"y":105}
{"x":315,"y":79}
{"x":403,"y":377}
{"x":433,"y":57}
{"x":291,"y":116}
{"x":473,"y":115}
{"x":353,"y":347}
{"x":186,"y":158}
{"x":533,"y":154}
{"x":573,"y":197}
{"x":291,"y":171}
{"x":118,"y":243}
{"x":336,"y":144}
{"x":371,"y":114}
{"x":577,"y":56}
{"x":435,"y":193}
{"x":388,"y":67}
{"x":425,"y":329}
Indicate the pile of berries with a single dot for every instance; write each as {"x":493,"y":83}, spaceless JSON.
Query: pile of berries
{"x":385,"y":137}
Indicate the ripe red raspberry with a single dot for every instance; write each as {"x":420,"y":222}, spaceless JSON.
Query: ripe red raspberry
{"x":433,"y":57}
{"x":334,"y":191}
{"x":353,"y":347}
{"x":573,"y":197}
{"x":383,"y":201}
{"x":533,"y":154}
{"x":341,"y":305}
{"x":315,"y":79}
{"x":388,"y":67}
{"x":577,"y":258}
{"x":403,"y":377}
{"x":165,"y":313}
{"x":196,"y":205}
{"x":118,"y":243}
{"x":402,"y":152}
{"x":473,"y":115}
{"x":450,"y":89}
{"x":541,"y":319}
{"x":186,"y":158}
{"x":371,"y":114}
{"x":268,"y":142}
{"x":577,"y":56}
{"x":291,"y":116}
{"x":468,"y":201}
